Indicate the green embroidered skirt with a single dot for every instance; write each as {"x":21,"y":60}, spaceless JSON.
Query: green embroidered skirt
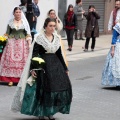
{"x":49,"y":103}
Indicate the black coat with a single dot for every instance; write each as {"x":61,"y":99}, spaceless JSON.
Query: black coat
{"x":89,"y":16}
{"x":72,"y":23}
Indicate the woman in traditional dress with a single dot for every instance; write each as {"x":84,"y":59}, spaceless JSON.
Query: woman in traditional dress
{"x":111,"y":71}
{"x":59,"y":27}
{"x":17,"y":48}
{"x":51,"y":92}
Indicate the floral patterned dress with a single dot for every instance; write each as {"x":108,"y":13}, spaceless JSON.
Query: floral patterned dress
{"x":15,"y":53}
{"x":111,"y":71}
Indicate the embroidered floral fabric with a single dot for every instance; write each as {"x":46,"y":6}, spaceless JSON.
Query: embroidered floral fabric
{"x":108,"y":78}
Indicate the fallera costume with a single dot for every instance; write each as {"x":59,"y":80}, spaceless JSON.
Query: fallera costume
{"x":111,"y":71}
{"x":51,"y":92}
{"x":15,"y":52}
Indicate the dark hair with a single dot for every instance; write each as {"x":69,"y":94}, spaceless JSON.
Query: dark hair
{"x":16,"y":8}
{"x":70,"y":6}
{"x":78,"y":1}
{"x":91,"y":6}
{"x":50,"y":11}
{"x":23,"y":2}
{"x":117,"y":0}
{"x":47,"y":21}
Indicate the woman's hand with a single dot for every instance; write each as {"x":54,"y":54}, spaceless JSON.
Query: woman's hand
{"x":67,"y":72}
{"x":29,"y":44}
{"x":112,"y":50}
{"x":83,"y":12}
{"x":112,"y":53}
{"x":33,"y":73}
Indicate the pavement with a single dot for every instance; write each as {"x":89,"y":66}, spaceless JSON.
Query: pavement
{"x":103,"y":44}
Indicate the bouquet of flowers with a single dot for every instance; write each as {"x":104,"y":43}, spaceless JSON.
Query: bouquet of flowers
{"x":37,"y":64}
{"x":2,"y":43}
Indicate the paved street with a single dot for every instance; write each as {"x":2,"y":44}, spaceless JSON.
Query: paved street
{"x":103,"y":44}
{"x":91,"y":101}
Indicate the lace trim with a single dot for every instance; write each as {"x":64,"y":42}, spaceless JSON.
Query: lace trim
{"x":11,"y":24}
{"x":117,"y":27}
{"x":50,"y":47}
{"x":22,"y":26}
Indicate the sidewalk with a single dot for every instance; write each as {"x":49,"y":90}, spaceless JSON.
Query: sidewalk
{"x":103,"y":44}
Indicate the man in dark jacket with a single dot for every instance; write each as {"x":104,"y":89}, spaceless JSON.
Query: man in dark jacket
{"x":36,"y":12}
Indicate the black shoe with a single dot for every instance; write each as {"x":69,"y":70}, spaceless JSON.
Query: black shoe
{"x":76,"y":39}
{"x":82,"y":39}
{"x":51,"y":118}
{"x":41,"y":118}
{"x":69,"y":49}
{"x":118,"y":87}
{"x":85,"y":50}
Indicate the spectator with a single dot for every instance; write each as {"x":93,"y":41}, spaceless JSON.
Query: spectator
{"x":115,"y":15}
{"x":79,"y":12}
{"x":59,"y":24}
{"x":92,"y":27}
{"x":70,"y":25}
{"x":23,"y":6}
{"x":36,"y":12}
{"x":59,"y":27}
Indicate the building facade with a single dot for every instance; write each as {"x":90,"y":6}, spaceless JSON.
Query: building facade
{"x":104,"y":7}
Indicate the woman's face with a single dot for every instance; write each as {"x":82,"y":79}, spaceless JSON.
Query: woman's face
{"x":50,"y":27}
{"x":71,"y":8}
{"x":92,"y":9}
{"x":17,"y":14}
{"x":80,"y":3}
{"x":52,"y":14}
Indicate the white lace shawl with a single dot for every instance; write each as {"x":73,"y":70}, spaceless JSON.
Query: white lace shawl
{"x":50,"y":47}
{"x":24,"y":25}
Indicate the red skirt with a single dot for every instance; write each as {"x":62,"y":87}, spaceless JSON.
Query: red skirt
{"x":9,"y":79}
{"x":13,"y":59}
